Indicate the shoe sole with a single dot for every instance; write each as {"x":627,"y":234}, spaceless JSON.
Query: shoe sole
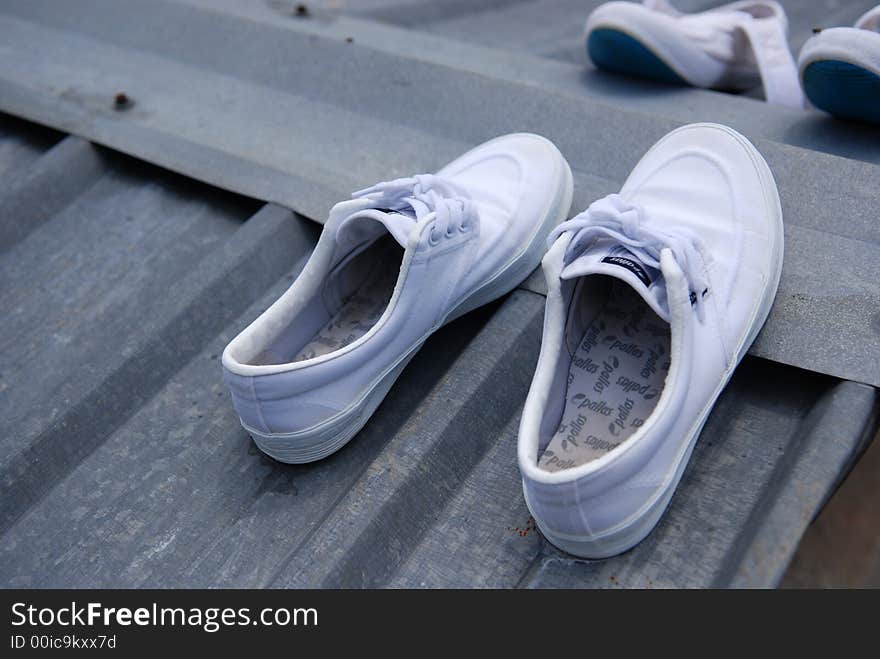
{"x":637,"y":527}
{"x":843,"y":90}
{"x":323,"y":439}
{"x":621,"y":53}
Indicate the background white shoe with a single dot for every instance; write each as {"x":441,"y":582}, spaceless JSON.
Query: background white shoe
{"x":736,"y":46}
{"x":654,"y":296}
{"x":391,"y":266}
{"x":840,"y":69}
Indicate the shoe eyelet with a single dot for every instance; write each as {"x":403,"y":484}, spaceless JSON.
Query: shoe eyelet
{"x":464,"y":227}
{"x":450,"y":231}
{"x":433,"y":238}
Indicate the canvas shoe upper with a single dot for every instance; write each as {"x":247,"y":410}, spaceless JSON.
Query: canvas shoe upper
{"x":734,"y":46}
{"x":654,"y":296}
{"x":840,"y":69}
{"x":391,"y":266}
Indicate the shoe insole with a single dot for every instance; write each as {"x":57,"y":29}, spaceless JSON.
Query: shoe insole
{"x":358,"y":313}
{"x":614,"y":381}
{"x":843,"y":90}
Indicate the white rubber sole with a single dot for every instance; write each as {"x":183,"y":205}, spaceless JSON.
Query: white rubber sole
{"x":329,"y":436}
{"x":637,"y":527}
{"x":326,"y":438}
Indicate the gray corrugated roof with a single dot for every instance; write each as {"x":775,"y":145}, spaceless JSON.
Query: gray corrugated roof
{"x":121,"y":460}
{"x":308,"y":139}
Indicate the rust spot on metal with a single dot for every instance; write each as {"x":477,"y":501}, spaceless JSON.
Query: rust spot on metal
{"x":522,"y":532}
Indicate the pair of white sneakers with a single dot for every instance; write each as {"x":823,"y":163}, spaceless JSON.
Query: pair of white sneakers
{"x":738,"y":46}
{"x":654,"y":295}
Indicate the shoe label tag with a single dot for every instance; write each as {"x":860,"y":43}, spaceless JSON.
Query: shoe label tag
{"x":629,"y":264}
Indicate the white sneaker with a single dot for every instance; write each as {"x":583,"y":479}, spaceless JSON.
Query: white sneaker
{"x":392,"y":266}
{"x":840,"y":69}
{"x":654,"y":296}
{"x":736,"y":46}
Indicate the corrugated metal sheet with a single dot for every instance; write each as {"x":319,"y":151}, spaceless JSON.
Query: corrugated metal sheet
{"x":121,"y":460}
{"x":303,"y":139}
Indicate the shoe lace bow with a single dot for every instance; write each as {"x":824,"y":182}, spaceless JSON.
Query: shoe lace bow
{"x":425,"y":194}
{"x":624,"y":222}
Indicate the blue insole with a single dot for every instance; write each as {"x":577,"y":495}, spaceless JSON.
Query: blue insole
{"x":843,"y":90}
{"x":618,"y":52}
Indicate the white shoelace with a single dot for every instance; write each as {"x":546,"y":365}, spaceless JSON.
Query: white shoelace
{"x":870,"y":20}
{"x":764,"y":25}
{"x":425,"y":194}
{"x":623,"y":222}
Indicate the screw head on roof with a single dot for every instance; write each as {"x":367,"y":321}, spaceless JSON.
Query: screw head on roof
{"x":817,"y":30}
{"x":301,"y":9}
{"x":121,"y":101}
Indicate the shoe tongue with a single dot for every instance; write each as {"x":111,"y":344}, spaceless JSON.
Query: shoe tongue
{"x":371,"y":223}
{"x":615,"y":260}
